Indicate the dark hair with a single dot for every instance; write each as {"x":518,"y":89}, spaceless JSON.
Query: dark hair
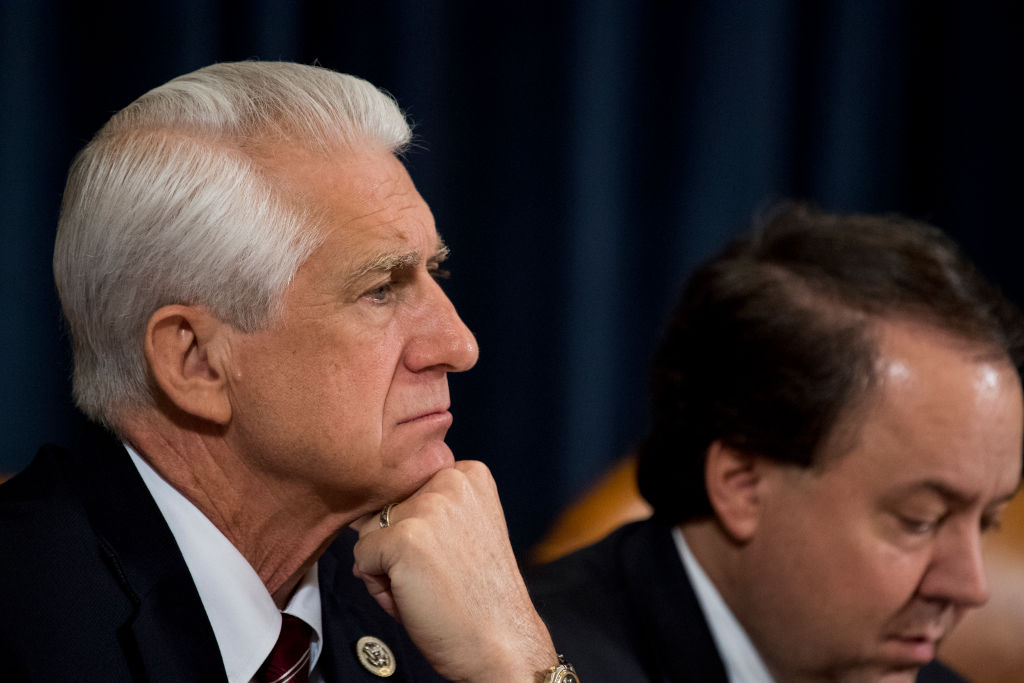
{"x":772,"y":339}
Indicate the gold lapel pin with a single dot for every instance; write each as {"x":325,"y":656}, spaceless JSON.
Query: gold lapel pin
{"x":375,"y":656}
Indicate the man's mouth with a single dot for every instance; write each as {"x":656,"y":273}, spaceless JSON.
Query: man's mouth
{"x":440,"y":414}
{"x":917,"y":648}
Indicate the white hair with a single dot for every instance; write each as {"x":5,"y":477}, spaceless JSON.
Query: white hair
{"x":169,"y":204}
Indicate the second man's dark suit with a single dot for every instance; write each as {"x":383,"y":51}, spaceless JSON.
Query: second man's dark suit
{"x":623,"y":610}
{"x":94,"y":588}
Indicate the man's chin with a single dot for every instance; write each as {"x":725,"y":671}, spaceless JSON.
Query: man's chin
{"x":434,"y":456}
{"x":879,"y":674}
{"x":906,"y":674}
{"x":419,"y":468}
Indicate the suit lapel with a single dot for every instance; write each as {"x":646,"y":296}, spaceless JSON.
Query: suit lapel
{"x":168,"y":636}
{"x":664,"y":604}
{"x":349,"y":613}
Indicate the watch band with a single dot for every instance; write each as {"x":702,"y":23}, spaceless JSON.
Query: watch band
{"x":563,"y":672}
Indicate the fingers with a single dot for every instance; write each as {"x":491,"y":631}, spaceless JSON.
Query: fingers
{"x":370,"y":565}
{"x":379,"y":588}
{"x":366,"y":523}
{"x":466,"y":483}
{"x":374,"y":520}
{"x":445,"y":554}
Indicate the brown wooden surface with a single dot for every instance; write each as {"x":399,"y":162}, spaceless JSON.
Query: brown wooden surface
{"x":611,"y":502}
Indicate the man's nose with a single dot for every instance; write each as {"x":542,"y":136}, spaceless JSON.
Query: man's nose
{"x":957,"y":571}
{"x":439,"y":337}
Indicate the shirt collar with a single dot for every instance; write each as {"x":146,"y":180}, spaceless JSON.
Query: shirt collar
{"x":742,"y":662}
{"x":245,"y":620}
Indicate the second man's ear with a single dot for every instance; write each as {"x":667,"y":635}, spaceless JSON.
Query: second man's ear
{"x":186,"y":351}
{"x":734,"y":482}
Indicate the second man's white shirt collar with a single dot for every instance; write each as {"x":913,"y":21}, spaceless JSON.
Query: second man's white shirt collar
{"x":742,"y":662}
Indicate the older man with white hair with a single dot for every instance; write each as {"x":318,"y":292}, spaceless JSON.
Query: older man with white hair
{"x":250,"y":280}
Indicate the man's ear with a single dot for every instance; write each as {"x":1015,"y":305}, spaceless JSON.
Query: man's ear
{"x":734,"y":480}
{"x":186,"y":352}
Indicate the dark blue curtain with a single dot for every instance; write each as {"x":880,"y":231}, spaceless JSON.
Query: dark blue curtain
{"x":580,"y":158}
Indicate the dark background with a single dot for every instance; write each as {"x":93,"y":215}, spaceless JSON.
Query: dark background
{"x":580,"y":158}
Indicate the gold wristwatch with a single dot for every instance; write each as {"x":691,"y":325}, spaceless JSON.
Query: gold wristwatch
{"x":563,"y":672}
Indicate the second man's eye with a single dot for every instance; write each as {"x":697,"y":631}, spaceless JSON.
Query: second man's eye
{"x":918,"y":526}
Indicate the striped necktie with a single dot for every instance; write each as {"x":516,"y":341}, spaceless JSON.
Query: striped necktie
{"x":289,"y":660}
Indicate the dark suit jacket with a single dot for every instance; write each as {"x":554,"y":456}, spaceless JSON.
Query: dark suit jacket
{"x":623,"y":610}
{"x":94,"y":588}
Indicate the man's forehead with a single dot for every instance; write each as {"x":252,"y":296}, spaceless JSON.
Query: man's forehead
{"x":362,"y":184}
{"x":953,"y":492}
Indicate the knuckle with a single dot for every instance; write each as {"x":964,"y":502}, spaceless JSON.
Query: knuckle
{"x":411,"y":531}
{"x":475,"y":469}
{"x":431,"y":503}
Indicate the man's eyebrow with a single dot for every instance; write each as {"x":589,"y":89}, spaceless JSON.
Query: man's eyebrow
{"x":441,"y":254}
{"x":383,"y":263}
{"x":1002,"y":500}
{"x":951,"y":493}
{"x":389,"y":262}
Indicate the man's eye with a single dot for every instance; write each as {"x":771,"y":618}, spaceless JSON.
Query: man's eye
{"x":381,"y":294}
{"x":993,"y":523}
{"x":439,"y":273}
{"x":920,"y":527}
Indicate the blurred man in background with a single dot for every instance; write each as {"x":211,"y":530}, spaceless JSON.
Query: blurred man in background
{"x":836,"y":421}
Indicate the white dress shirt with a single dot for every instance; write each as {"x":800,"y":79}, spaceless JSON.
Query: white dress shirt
{"x":245,"y":620}
{"x":742,"y":662}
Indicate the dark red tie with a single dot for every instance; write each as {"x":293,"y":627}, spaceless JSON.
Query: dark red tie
{"x":289,"y":660}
